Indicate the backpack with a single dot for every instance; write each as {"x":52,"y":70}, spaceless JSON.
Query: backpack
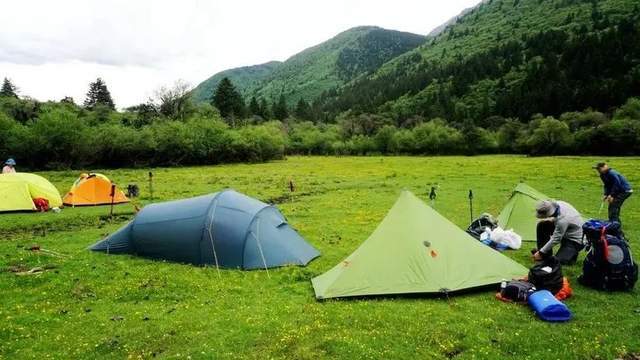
{"x":547,"y":275}
{"x":609,"y":264}
{"x":516,"y":291}
{"x":133,"y":190}
{"x":478,"y":225}
{"x":41,"y":204}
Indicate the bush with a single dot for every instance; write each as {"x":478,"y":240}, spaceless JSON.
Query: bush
{"x":549,"y":136}
{"x":63,"y":135}
{"x":511,"y":137}
{"x":630,"y":110}
{"x":436,"y":137}
{"x":306,"y":138}
{"x":259,"y":143}
{"x":59,"y":139}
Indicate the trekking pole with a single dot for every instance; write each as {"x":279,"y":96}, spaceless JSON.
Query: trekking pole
{"x":601,"y":207}
{"x":151,"y":185}
{"x":432,"y":196}
{"x":113,"y":194}
{"x":471,"y":204}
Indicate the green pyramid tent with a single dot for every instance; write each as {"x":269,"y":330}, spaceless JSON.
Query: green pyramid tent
{"x":415,"y":250}
{"x":520,"y":212}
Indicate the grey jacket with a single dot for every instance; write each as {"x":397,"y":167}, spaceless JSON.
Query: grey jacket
{"x":568,"y":226}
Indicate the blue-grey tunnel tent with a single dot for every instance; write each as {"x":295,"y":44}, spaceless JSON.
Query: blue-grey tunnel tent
{"x":226,"y":229}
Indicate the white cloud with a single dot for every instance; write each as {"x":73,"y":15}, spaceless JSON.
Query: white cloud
{"x":54,"y":48}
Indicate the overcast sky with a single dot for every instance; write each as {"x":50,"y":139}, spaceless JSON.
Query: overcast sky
{"x":54,"y":48}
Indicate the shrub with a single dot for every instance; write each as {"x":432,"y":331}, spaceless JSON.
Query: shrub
{"x":436,"y":137}
{"x":549,"y":136}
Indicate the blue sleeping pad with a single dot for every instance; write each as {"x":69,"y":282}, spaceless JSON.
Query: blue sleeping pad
{"x":547,"y":307}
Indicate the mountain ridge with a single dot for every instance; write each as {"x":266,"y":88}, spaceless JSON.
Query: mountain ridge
{"x":319,"y":68}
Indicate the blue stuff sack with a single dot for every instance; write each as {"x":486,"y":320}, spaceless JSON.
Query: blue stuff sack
{"x":547,"y":307}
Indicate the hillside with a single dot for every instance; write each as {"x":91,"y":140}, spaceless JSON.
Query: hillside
{"x":511,"y":58}
{"x":243,"y":78}
{"x":320,"y":68}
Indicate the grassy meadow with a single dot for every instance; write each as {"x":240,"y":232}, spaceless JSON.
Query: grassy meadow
{"x":90,"y":305}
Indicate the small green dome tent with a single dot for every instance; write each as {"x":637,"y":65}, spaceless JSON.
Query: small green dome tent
{"x":519,"y":213}
{"x":416,"y":250}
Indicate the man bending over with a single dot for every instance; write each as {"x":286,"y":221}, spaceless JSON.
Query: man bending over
{"x":560,"y":224}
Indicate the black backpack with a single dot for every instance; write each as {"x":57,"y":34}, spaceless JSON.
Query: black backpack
{"x":547,"y":275}
{"x":609,"y":264}
{"x":478,"y":225}
{"x":517,"y":290}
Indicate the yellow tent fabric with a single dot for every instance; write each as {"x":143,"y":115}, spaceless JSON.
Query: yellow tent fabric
{"x":93,"y":189}
{"x":18,"y":190}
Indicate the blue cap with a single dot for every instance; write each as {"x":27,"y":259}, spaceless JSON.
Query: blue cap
{"x":10,"y":162}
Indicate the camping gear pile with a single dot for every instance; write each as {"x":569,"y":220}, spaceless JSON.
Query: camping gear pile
{"x":543,"y":289}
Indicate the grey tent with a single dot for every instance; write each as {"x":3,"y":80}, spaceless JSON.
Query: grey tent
{"x":226,"y":229}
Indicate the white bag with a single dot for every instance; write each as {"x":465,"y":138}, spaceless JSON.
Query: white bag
{"x":506,"y":237}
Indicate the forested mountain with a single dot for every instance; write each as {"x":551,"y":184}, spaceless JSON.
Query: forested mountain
{"x":326,"y":66}
{"x":243,"y":78}
{"x":509,"y":58}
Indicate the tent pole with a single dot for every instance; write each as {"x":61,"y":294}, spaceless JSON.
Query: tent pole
{"x":151,"y":185}
{"x":209,"y":229}
{"x":113,"y":194}
{"x":432,"y":196}
{"x":264,"y":261}
{"x":471,"y":204}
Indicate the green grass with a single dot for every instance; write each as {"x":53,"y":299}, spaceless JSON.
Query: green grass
{"x":90,"y":305}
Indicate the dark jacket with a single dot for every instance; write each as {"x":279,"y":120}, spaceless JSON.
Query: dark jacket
{"x":614,"y":183}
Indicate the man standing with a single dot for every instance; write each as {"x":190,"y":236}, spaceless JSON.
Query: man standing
{"x":616,"y":189}
{"x":560,"y":223}
{"x":9,"y":167}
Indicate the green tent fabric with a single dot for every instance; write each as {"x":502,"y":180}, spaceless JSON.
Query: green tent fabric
{"x":520,"y":212}
{"x":415,"y":250}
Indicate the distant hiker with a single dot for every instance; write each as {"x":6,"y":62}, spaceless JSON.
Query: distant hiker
{"x":560,"y":223}
{"x":616,"y":189}
{"x":9,"y":167}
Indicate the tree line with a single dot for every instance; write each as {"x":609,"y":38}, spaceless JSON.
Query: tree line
{"x":171,"y":130}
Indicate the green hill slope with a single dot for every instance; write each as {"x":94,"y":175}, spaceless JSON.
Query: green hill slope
{"x":242,"y":77}
{"x":320,"y":68}
{"x":510,"y":58}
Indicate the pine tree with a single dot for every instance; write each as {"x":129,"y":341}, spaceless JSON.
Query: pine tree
{"x":8,"y":89}
{"x":303,"y":110}
{"x":98,"y":94}
{"x":228,"y":101}
{"x":265,"y":111}
{"x":280,"y":110}
{"x":254,"y":107}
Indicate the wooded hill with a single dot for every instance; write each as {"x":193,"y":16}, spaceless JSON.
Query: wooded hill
{"x":323,"y":67}
{"x":506,"y":58}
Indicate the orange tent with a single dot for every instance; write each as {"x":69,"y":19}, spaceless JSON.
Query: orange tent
{"x":93,"y":189}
